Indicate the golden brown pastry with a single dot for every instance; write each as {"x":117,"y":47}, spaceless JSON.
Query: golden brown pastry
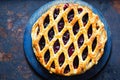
{"x":68,"y":39}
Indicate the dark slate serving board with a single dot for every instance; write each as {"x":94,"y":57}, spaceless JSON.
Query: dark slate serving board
{"x":44,"y":73}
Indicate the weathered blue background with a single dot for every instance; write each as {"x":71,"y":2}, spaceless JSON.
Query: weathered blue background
{"x":13,"y":17}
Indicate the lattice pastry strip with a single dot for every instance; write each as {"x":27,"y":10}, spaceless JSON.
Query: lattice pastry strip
{"x":68,"y":39}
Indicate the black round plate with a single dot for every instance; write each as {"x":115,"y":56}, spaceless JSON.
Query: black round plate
{"x":36,"y":65}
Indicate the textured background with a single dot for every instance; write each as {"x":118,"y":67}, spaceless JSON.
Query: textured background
{"x":13,"y":17}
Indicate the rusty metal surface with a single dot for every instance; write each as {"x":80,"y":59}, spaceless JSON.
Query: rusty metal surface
{"x":13,"y":17}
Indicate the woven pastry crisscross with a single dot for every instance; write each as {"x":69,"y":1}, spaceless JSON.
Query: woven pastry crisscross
{"x":98,"y":33}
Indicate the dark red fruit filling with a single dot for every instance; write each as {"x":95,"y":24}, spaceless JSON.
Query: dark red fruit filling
{"x":75,"y":28}
{"x":89,"y":31}
{"x":80,"y":10}
{"x":76,"y":62}
{"x":66,"y":36}
{"x":97,"y":27}
{"x":56,"y":46}
{"x":46,"y":21}
{"x":80,"y":40}
{"x":85,"y":19}
{"x":60,"y":25}
{"x":85,"y":53}
{"x":70,"y":15}
{"x":90,"y":60}
{"x":51,"y":34}
{"x":53,"y":65}
{"x":47,"y":56}
{"x":56,"y":12}
{"x":38,"y":30}
{"x":71,"y":50}
{"x":66,"y":6}
{"x":94,"y":44}
{"x":42,"y":43}
{"x":61,"y":59}
{"x":67,"y":69}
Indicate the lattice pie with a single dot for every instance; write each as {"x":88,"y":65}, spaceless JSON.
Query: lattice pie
{"x":68,"y":39}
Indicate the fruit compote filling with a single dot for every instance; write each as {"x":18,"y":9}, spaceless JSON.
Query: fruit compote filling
{"x":85,"y":53}
{"x":94,"y":44}
{"x":67,"y":69}
{"x":71,"y":50}
{"x":80,"y":40}
{"x":70,"y":15}
{"x":51,"y":34}
{"x":85,"y":19}
{"x":89,"y":31}
{"x":53,"y":64}
{"x":56,"y":13}
{"x":46,"y":21}
{"x":61,"y":59}
{"x":66,"y":36}
{"x":42,"y":43}
{"x":60,"y":25}
{"x":47,"y":56}
{"x":76,"y":28}
{"x":56,"y":46}
{"x":66,"y":6}
{"x":80,"y":10}
{"x":76,"y":62}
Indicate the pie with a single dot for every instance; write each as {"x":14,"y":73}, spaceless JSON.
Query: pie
{"x":68,"y":39}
